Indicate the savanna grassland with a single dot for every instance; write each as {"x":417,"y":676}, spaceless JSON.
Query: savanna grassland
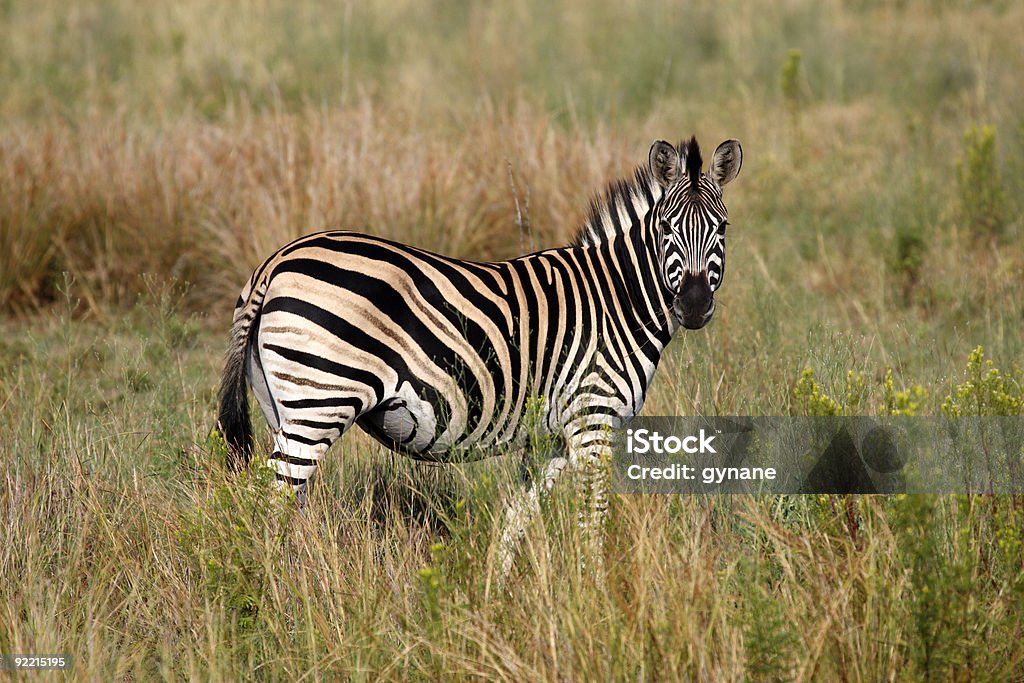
{"x":151,"y":154}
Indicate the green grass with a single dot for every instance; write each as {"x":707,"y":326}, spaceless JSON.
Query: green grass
{"x":151,"y":155}
{"x":130,"y":546}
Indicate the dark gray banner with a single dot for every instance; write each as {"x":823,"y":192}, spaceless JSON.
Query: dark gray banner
{"x":820,"y":455}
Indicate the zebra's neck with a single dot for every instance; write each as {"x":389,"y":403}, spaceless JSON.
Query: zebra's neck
{"x":634,"y":304}
{"x":646,"y":306}
{"x":619,"y":223}
{"x":627,"y":317}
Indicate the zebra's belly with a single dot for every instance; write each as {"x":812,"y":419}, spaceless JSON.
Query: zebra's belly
{"x":409,"y":426}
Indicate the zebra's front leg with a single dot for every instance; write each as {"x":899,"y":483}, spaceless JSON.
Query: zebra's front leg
{"x":590,"y":454}
{"x":523,"y":507}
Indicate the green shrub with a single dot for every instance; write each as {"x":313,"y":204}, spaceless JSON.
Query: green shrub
{"x":789,"y":81}
{"x":946,"y":620}
{"x":982,"y":200}
{"x":905,"y":402}
{"x":906,"y":258}
{"x":225,"y":540}
{"x":986,"y":391}
{"x":811,"y":400}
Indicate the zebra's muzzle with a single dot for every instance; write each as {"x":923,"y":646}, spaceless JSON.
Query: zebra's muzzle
{"x":695,"y":303}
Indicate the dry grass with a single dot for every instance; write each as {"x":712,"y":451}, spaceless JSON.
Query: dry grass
{"x":191,"y":140}
{"x":144,"y":147}
{"x":143,"y":559}
{"x":203,"y":202}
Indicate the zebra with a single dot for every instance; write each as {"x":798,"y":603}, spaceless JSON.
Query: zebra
{"x":439,"y":359}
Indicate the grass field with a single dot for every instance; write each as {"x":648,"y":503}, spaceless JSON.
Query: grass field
{"x":151,"y":154}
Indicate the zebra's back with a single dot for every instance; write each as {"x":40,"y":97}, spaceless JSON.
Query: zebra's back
{"x":427,"y":353}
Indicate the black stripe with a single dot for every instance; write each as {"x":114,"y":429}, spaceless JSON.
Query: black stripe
{"x":323,"y":364}
{"x":332,"y":402}
{"x":294,"y":481}
{"x":303,"y":440}
{"x":317,"y":424}
{"x":293,"y":459}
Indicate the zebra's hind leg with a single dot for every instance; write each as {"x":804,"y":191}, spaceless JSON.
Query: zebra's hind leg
{"x":294,"y":462}
{"x":523,"y":507}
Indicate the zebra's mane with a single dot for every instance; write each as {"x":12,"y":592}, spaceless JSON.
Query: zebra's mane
{"x":609,"y":216}
{"x":693,"y":163}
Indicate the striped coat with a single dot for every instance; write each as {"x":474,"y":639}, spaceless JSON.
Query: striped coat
{"x":439,"y":358}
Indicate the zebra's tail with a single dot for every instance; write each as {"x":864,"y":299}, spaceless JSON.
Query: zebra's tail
{"x":233,"y":421}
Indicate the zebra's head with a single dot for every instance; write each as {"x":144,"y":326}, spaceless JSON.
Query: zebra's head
{"x":690,"y":221}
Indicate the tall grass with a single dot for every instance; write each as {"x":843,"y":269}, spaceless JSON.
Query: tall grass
{"x":204,"y":202}
{"x":152,"y":155}
{"x":129,"y":546}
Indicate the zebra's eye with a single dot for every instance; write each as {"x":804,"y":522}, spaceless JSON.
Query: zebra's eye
{"x":663,"y":224}
{"x":721,"y":228}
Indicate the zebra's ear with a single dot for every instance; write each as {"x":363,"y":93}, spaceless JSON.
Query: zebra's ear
{"x":726,"y":163}
{"x":665,"y":163}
